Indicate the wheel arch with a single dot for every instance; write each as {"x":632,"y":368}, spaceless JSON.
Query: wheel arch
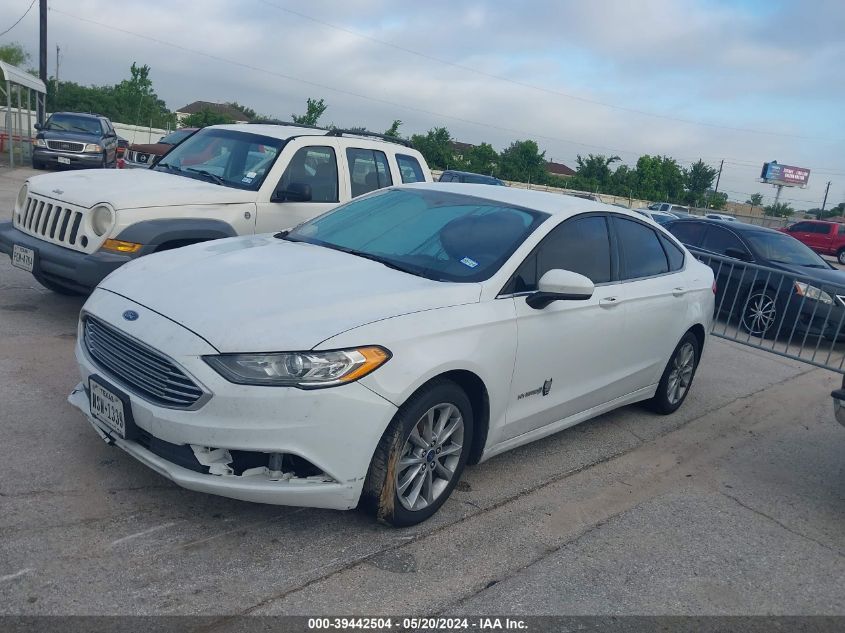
{"x":157,"y":234}
{"x":700,"y":335}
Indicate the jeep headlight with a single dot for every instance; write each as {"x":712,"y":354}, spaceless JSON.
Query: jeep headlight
{"x":92,"y":147}
{"x":21,"y":199}
{"x":306,"y":370}
{"x":811,"y":292}
{"x":102,"y":219}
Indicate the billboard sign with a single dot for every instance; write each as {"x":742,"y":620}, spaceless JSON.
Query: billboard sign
{"x":776,"y":174}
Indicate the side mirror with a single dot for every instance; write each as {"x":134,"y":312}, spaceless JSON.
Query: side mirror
{"x":560,"y":285}
{"x":738,"y":253}
{"x":296,"y":192}
{"x":38,"y":126}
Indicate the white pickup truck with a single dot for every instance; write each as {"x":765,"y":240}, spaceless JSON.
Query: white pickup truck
{"x":71,"y":229}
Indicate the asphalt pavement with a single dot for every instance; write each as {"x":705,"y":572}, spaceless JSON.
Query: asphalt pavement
{"x":733,"y":505}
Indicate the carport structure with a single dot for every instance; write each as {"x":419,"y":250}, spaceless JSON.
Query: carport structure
{"x":18,"y":86}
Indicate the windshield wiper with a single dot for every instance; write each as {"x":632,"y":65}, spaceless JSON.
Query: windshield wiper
{"x":178,"y":170}
{"x":214,"y":177}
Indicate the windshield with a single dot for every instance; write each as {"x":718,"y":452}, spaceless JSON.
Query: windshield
{"x":433,"y":234}
{"x":175,"y":137}
{"x":225,"y":157}
{"x":70,"y":123}
{"x":784,"y":249}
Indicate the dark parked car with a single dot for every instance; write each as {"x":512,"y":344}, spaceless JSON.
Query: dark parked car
{"x":74,"y":139}
{"x":145,"y":154}
{"x":768,"y":283}
{"x":450,"y":175}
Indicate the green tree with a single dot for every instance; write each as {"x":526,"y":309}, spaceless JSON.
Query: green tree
{"x":779,"y":210}
{"x":715,"y":200}
{"x":393,"y":130}
{"x":314,"y":109}
{"x":249,"y":113}
{"x":755,"y":200}
{"x":14,"y":53}
{"x":659,"y":178}
{"x":436,"y":147}
{"x":204,"y":118}
{"x":524,"y":162}
{"x":697,"y":181}
{"x":593,"y":173}
{"x":481,"y":159}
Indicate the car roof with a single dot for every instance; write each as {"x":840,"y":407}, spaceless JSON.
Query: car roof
{"x":286,"y":131}
{"x":737,"y":227}
{"x":467,"y":173}
{"x":551,"y":203}
{"x":88,"y":115}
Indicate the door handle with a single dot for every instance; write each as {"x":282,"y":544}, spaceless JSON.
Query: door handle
{"x":608,"y":302}
{"x":679,"y":292}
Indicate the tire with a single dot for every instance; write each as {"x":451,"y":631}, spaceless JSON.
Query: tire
{"x":57,"y":288}
{"x":759,"y":313}
{"x":840,"y":256}
{"x":37,"y":164}
{"x":410,"y":493}
{"x":677,"y":377}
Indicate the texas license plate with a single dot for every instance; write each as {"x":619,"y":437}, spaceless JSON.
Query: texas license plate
{"x":63,"y":160}
{"x":23,"y":257}
{"x":107,"y":407}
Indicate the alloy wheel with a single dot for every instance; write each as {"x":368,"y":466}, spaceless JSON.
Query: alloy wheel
{"x":430,"y":456}
{"x":683,"y":365}
{"x":759,"y":314}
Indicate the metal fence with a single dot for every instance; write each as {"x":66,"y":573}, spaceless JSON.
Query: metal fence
{"x":796,"y":315}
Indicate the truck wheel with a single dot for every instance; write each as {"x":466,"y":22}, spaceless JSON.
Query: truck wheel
{"x":37,"y":164}
{"x":840,"y":256}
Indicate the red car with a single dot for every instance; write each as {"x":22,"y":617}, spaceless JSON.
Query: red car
{"x":826,"y":238}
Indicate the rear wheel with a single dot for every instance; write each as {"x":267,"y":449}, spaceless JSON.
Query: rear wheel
{"x":421,"y":456}
{"x":677,"y":377}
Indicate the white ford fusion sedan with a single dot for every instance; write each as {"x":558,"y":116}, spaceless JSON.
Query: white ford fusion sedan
{"x":367,"y":355}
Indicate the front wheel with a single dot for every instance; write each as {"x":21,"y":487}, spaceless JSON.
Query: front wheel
{"x":421,"y":455}
{"x":677,"y":377}
{"x":840,"y":256}
{"x":760,"y":313}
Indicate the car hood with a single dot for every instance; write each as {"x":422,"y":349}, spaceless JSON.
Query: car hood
{"x":260,"y":294}
{"x":133,"y":188}
{"x":824,"y":275}
{"x":61,"y":135}
{"x":157,"y":149}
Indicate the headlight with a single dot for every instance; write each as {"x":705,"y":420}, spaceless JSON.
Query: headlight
{"x":92,"y":147}
{"x":101,"y":219}
{"x":40,"y":142}
{"x":811,"y":292}
{"x":306,"y":370}
{"x":21,"y":199}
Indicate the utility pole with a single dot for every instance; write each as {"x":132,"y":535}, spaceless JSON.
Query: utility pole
{"x":57,"y":69}
{"x":718,"y":178}
{"x":826,"y":189}
{"x":42,"y":52}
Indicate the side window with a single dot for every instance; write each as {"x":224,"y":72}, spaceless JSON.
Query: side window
{"x":840,"y":229}
{"x":443,"y":178}
{"x":799,"y":227}
{"x":675,"y":254}
{"x":689,"y":233}
{"x":410,"y":168}
{"x":315,"y":166}
{"x":368,"y":170}
{"x":104,"y":127}
{"x":640,"y":250}
{"x":821,"y":229}
{"x":719,"y":240}
{"x":581,"y":245}
{"x":675,"y":208}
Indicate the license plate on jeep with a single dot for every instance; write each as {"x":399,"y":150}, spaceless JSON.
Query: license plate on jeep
{"x":23,"y":257}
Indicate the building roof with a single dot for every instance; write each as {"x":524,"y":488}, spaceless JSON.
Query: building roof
{"x":559,"y":169}
{"x":219,"y":108}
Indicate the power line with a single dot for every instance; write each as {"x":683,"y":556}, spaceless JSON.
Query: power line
{"x":523,"y":84}
{"x":31,"y":4}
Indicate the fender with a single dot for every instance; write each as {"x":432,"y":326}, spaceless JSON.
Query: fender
{"x":156,"y":232}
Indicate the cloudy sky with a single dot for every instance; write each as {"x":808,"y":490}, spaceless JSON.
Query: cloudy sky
{"x":744,"y":81}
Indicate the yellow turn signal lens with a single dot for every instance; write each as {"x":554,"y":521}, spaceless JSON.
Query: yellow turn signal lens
{"x":374,"y":357}
{"x":121,"y":247}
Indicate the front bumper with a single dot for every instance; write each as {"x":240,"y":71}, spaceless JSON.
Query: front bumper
{"x":336,"y":430}
{"x":71,"y":269}
{"x":49,"y":156}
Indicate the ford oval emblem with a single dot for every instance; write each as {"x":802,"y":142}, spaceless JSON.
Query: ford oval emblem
{"x":130,"y":315}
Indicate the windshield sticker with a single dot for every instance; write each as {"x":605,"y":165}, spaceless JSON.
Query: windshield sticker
{"x":247,"y":180}
{"x":466,"y":261}
{"x":251,"y":174}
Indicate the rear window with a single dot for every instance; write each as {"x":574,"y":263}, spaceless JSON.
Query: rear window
{"x":689,"y":233}
{"x":410,"y":168}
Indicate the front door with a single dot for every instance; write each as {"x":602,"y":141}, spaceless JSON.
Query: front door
{"x":312,"y":165}
{"x":566,"y":359}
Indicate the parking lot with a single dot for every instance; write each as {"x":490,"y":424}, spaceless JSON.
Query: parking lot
{"x":734,"y":505}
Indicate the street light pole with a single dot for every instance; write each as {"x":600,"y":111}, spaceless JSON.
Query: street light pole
{"x":42,"y":53}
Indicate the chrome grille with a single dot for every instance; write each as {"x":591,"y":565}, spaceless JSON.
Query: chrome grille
{"x":139,"y":368}
{"x":52,"y":221}
{"x":66,"y":146}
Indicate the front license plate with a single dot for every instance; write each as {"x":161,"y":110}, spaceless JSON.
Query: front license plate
{"x":108,"y":408}
{"x":23,"y":257}
{"x":63,"y":160}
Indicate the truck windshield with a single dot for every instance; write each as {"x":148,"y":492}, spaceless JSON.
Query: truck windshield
{"x":230,"y":158}
{"x":70,"y":123}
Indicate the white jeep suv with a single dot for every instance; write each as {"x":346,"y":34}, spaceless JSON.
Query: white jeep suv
{"x":71,"y":229}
